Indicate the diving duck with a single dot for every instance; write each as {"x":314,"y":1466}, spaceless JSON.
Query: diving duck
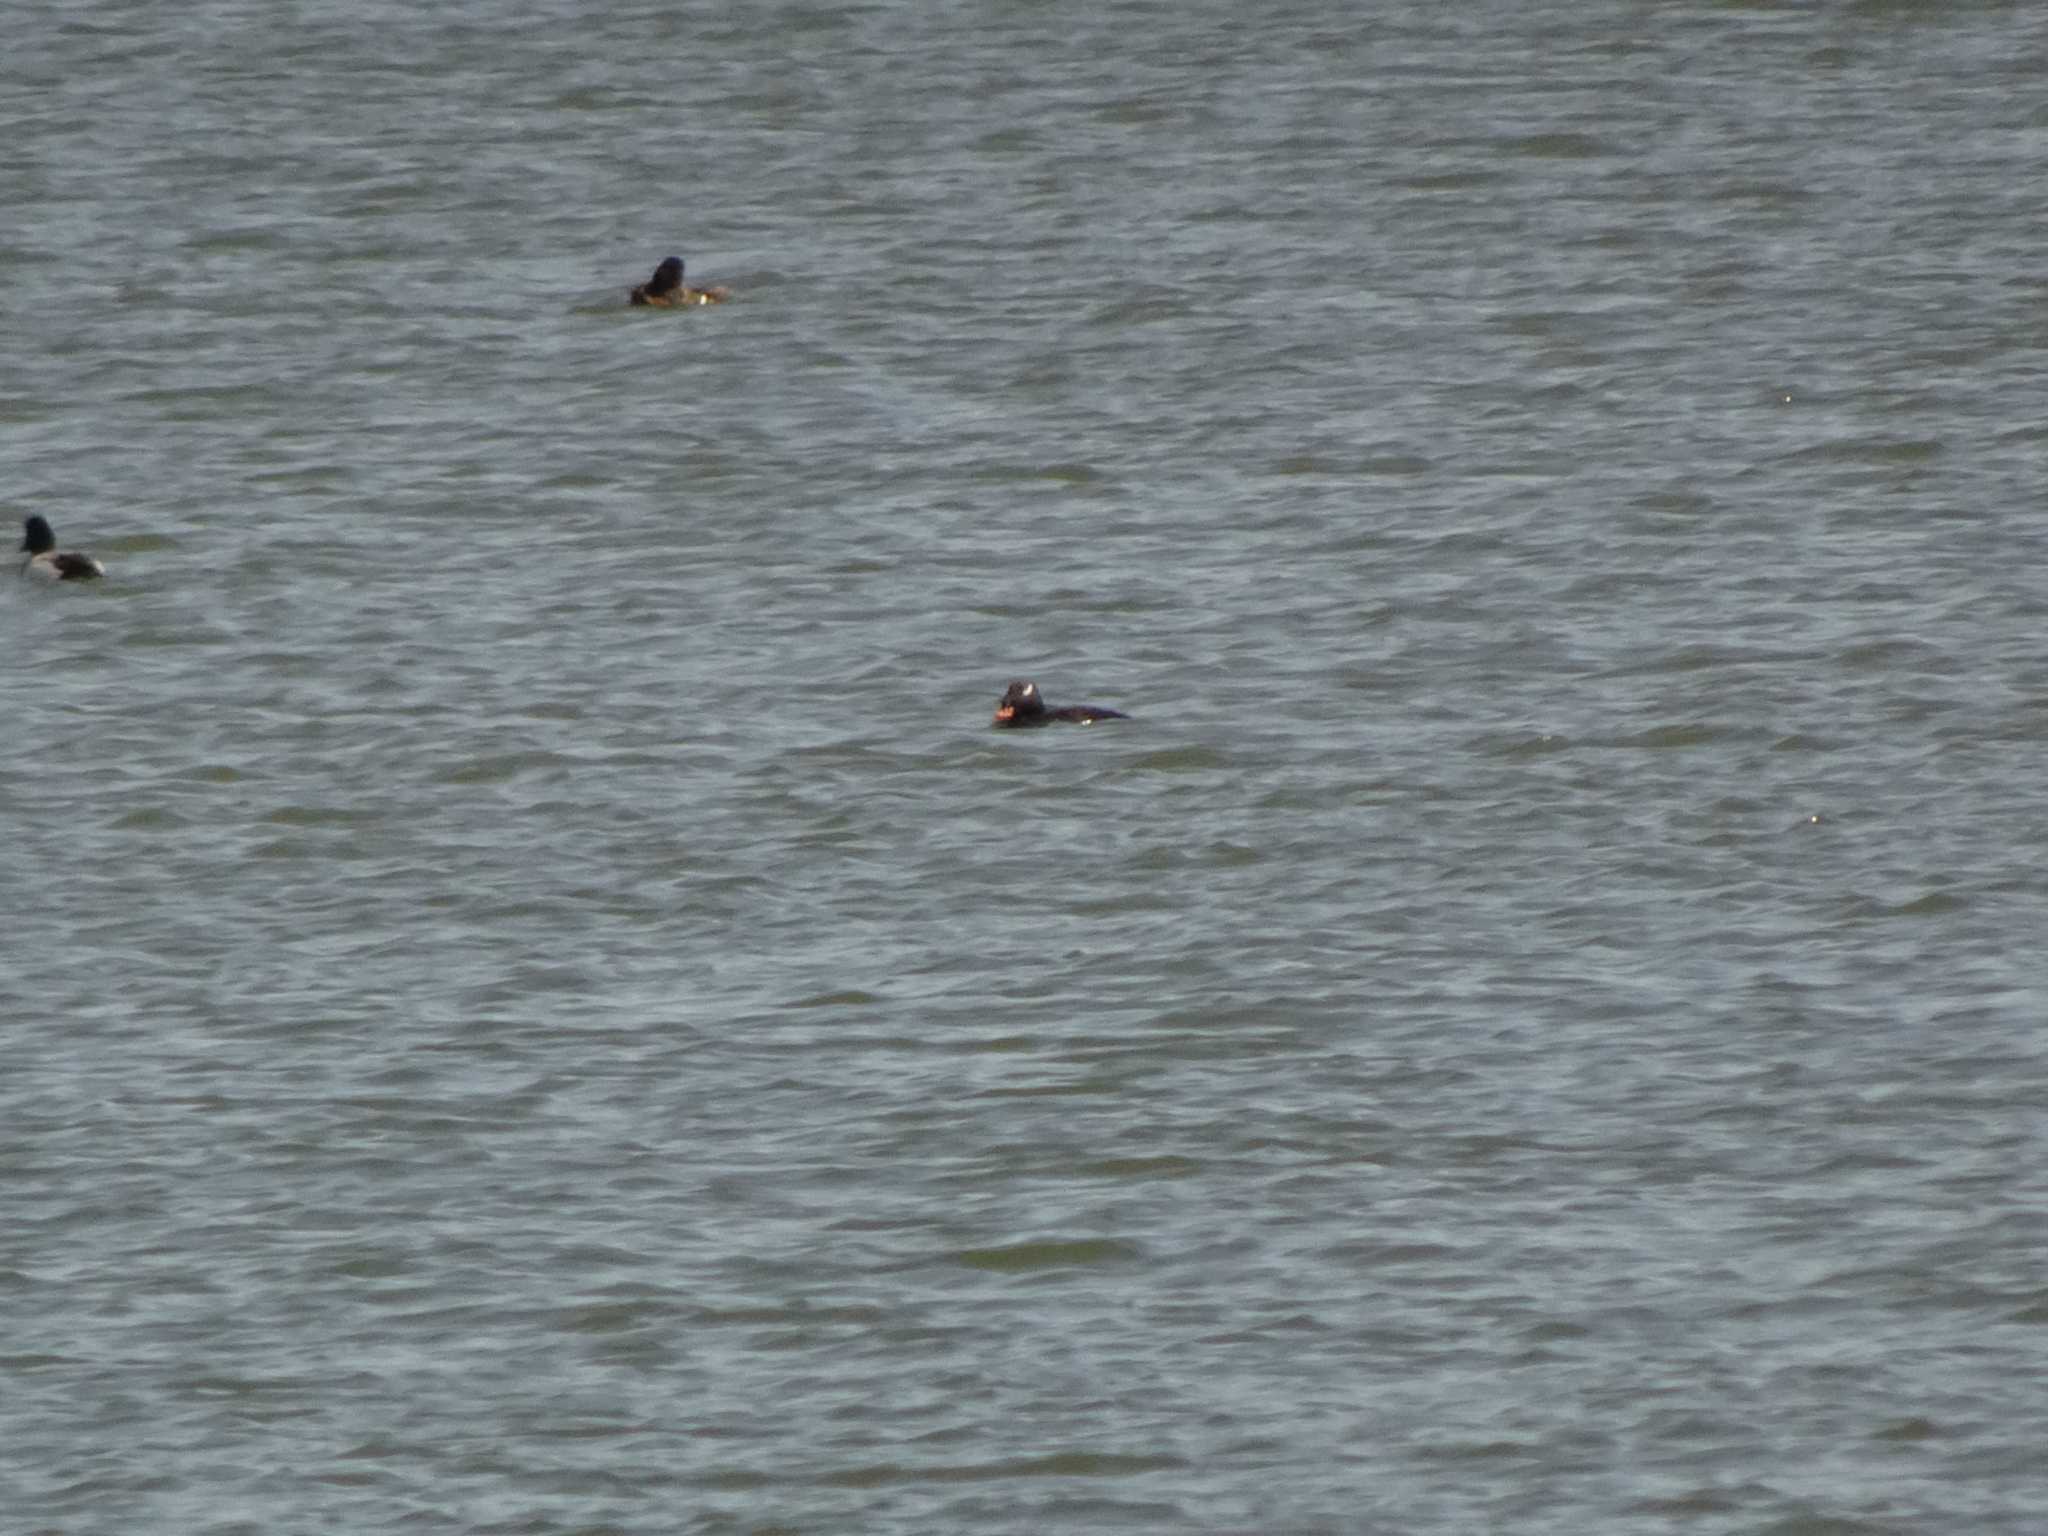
{"x":49,"y":563}
{"x":1022,"y":705}
{"x":665,"y":289}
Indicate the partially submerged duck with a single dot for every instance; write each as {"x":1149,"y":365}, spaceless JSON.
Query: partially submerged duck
{"x":665,"y":289}
{"x":48,"y":562}
{"x":1023,"y":705}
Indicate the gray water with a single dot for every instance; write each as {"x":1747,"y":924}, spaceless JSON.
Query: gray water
{"x":534,"y":1001}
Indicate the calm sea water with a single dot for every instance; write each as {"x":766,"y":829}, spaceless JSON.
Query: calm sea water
{"x":533,"y":1001}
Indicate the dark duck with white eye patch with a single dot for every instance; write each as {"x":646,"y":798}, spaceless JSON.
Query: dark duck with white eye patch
{"x":665,"y":289}
{"x":46,"y":561}
{"x":1022,"y":705}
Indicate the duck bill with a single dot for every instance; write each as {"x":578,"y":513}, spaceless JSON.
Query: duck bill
{"x":1005,"y":713}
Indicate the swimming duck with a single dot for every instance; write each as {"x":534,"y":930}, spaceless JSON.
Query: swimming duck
{"x":46,"y":561}
{"x":1022,"y":706}
{"x":665,"y":289}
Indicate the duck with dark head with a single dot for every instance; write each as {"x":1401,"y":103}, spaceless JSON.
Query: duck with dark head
{"x":48,"y":562}
{"x":1022,"y":705}
{"x":665,"y":289}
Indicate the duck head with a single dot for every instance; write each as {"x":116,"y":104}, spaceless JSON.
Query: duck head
{"x":668,"y":277}
{"x":1021,"y":705}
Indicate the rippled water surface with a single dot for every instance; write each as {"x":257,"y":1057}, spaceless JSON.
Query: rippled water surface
{"x":534,"y":1001}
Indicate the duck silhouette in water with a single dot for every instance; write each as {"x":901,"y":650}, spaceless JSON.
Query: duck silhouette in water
{"x":665,"y":289}
{"x":1022,"y":705}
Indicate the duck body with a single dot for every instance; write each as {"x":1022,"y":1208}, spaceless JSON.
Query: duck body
{"x":1023,"y":707}
{"x":44,"y":561}
{"x":665,"y":289}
